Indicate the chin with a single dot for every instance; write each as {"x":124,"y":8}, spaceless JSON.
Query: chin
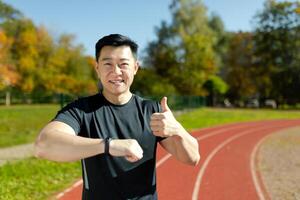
{"x":117,"y":92}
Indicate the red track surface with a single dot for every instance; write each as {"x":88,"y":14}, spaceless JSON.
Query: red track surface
{"x":226,"y":170}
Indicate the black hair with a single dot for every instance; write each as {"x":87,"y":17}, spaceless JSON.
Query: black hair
{"x":115,"y":40}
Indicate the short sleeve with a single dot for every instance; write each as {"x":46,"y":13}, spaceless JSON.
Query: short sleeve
{"x":72,"y":115}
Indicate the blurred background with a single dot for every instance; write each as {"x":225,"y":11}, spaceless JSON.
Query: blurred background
{"x":206,"y":55}
{"x":229,"y":53}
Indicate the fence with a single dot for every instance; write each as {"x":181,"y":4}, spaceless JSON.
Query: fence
{"x":27,"y":99}
{"x":177,"y":102}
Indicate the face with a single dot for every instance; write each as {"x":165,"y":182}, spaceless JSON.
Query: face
{"x":116,"y":68}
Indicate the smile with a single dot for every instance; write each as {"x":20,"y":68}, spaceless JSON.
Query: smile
{"x":116,"y":82}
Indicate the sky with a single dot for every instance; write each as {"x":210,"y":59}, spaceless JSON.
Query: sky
{"x":89,"y":20}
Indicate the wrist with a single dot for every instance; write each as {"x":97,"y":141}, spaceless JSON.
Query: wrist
{"x":106,"y":145}
{"x":178,"y":131}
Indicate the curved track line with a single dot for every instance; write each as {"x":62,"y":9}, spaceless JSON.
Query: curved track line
{"x":209,"y":134}
{"x":76,"y":184}
{"x":213,"y":153}
{"x":258,"y":185}
{"x":163,"y":159}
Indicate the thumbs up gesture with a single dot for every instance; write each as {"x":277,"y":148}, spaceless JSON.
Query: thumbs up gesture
{"x":164,"y":124}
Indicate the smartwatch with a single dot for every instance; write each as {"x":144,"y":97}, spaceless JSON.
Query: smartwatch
{"x":106,"y":145}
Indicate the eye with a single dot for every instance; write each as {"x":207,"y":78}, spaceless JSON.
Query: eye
{"x":107,"y":64}
{"x":124,"y":65}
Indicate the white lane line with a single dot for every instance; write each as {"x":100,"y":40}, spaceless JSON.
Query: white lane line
{"x":60,"y":195}
{"x":162,"y":160}
{"x":210,"y":134}
{"x":214,"y":152}
{"x":254,"y":172}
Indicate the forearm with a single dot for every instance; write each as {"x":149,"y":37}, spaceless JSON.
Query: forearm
{"x":186,"y":147}
{"x":63,"y":147}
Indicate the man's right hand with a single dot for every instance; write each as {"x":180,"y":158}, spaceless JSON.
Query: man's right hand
{"x":128,"y":148}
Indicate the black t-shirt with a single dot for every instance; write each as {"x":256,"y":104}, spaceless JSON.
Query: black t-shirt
{"x":114,"y":178}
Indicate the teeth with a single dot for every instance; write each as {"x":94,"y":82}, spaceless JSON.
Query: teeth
{"x":120,"y":81}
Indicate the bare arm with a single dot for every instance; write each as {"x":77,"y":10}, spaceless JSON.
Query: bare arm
{"x":178,"y":142}
{"x":183,"y":146}
{"x":57,"y":141}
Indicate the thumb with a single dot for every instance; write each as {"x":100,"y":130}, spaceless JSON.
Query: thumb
{"x":164,"y":105}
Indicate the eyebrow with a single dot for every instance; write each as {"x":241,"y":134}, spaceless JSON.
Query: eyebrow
{"x":109,"y":59}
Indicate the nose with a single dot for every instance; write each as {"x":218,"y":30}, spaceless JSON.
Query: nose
{"x":117,"y":69}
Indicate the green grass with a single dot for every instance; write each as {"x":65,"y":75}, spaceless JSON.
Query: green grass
{"x":21,"y":124}
{"x":31,"y":178}
{"x":207,"y":117}
{"x":36,"y":179}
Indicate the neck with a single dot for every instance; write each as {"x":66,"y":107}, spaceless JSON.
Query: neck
{"x":117,"y":99}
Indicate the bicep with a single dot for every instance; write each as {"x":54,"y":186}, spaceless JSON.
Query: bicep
{"x":58,"y":126}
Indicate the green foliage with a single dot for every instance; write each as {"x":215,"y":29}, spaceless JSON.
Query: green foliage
{"x":216,"y":85}
{"x":240,"y":71}
{"x":277,"y":47}
{"x":36,"y":179}
{"x":188,"y":56}
{"x":7,"y":12}
{"x":148,"y":82}
{"x":183,"y":54}
{"x":221,"y":39}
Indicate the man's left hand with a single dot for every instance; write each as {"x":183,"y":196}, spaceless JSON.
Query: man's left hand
{"x":164,"y":124}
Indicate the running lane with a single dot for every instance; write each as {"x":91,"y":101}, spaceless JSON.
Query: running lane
{"x":224,"y":171}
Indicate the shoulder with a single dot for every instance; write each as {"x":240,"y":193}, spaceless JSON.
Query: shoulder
{"x":150,"y":105}
{"x":84,"y":104}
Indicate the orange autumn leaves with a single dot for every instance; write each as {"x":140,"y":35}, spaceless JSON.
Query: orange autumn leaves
{"x":31,"y":60}
{"x":8,"y":75}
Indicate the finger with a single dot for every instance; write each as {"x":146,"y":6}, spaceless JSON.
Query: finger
{"x":156,"y":123}
{"x":164,"y":104}
{"x":157,"y":116}
{"x":131,"y":158}
{"x":158,"y":133}
{"x":138,"y":152}
{"x":156,"y":128}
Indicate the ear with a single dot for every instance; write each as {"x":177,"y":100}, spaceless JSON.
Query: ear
{"x":136,"y":66}
{"x":96,"y":67}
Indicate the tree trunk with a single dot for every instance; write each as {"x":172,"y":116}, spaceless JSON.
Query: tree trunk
{"x":7,"y":98}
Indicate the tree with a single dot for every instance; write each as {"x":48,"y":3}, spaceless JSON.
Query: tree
{"x":147,"y":82}
{"x":46,"y":66}
{"x":65,"y":70}
{"x":183,"y":53}
{"x":277,"y":47}
{"x":161,"y":62}
{"x":8,"y":75}
{"x":7,"y":12}
{"x":221,"y":39}
{"x":24,"y":53}
{"x":240,"y":70}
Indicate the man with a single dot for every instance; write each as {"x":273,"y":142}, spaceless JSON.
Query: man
{"x":115,"y":133}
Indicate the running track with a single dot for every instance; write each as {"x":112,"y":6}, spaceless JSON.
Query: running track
{"x":227,"y":169}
